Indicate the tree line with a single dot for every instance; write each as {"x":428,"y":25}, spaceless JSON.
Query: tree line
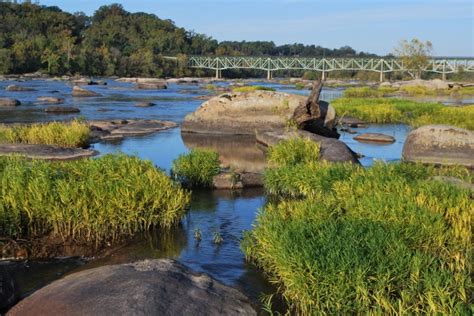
{"x":114,"y":42}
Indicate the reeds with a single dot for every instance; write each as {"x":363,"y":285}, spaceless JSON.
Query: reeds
{"x":91,"y":200}
{"x":196,"y":168}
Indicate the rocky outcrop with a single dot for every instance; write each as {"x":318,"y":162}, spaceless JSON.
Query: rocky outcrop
{"x":331,"y":149}
{"x":61,"y":109}
{"x":9,"y":102}
{"x":441,"y":145}
{"x":50,"y":100}
{"x":246,"y":113}
{"x":150,"y":287}
{"x":16,"y":88}
{"x":81,"y":92}
{"x":46,"y":152}
{"x":118,"y":129}
{"x":152,"y":86}
{"x":375,"y":138}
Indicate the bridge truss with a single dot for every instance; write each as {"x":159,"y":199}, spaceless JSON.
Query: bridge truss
{"x":441,"y":65}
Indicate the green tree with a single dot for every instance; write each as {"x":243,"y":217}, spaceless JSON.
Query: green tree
{"x":415,"y":55}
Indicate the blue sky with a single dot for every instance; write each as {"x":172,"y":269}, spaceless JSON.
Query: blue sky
{"x":368,"y":25}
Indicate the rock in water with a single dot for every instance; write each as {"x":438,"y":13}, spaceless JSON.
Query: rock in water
{"x":441,"y":145}
{"x":374,"y":138}
{"x":150,"y":287}
{"x":16,"y":88}
{"x":9,"y":102}
{"x":46,"y":152}
{"x":62,"y":109}
{"x":81,"y":92}
{"x":50,"y":100}
{"x":152,"y":86}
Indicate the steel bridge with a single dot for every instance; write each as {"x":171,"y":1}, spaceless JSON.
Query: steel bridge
{"x":441,"y":65}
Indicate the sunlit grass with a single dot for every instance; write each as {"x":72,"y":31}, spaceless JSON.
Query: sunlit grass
{"x":252,"y":88}
{"x":196,"y":168}
{"x":292,"y":152}
{"x":71,"y":134}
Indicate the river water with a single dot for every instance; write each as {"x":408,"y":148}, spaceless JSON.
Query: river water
{"x":224,"y":212}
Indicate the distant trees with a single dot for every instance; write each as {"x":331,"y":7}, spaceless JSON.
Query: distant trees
{"x":415,"y":55}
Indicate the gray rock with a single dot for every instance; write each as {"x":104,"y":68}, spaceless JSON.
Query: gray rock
{"x":46,"y":152}
{"x":352,"y":122}
{"x":440,"y":145}
{"x":16,"y":88}
{"x":227,"y":181}
{"x":145,"y":104}
{"x":151,"y":86}
{"x":374,"y":138}
{"x":116,"y":130}
{"x":9,"y":102}
{"x":455,"y":181}
{"x":150,"y":287}
{"x":81,"y":92}
{"x":50,"y":100}
{"x":330,"y":149}
{"x":62,"y":109}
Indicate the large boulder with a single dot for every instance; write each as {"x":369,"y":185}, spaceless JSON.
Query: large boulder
{"x":246,"y":113}
{"x":331,"y":149}
{"x":81,"y":92}
{"x":441,"y":145}
{"x":9,"y":102}
{"x":150,"y":287}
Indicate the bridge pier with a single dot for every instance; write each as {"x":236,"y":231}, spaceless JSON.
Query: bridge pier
{"x":218,"y":73}
{"x":381,"y":76}
{"x":269,"y":75}
{"x":323,"y":75}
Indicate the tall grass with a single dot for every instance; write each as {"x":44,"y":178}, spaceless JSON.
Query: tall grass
{"x":196,"y":168}
{"x":293,"y":151}
{"x":72,"y":134}
{"x":91,"y":200}
{"x":383,"y":110}
{"x":383,"y":240}
{"x":368,"y":92}
{"x":252,"y":88}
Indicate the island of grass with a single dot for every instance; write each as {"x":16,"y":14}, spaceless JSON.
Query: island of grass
{"x":391,"y":110}
{"x":91,"y":201}
{"x":252,"y":88}
{"x":343,"y":239}
{"x":373,"y":92}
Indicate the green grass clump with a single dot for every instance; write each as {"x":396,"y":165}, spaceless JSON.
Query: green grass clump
{"x":72,"y":134}
{"x":300,"y":85}
{"x":381,"y":240}
{"x":293,"y":151}
{"x":252,"y":88}
{"x":367,"y":92}
{"x":196,"y":168}
{"x":90,"y":200}
{"x":383,"y":110}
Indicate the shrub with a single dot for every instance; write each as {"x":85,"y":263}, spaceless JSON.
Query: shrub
{"x":300,"y":86}
{"x":196,"y":168}
{"x":91,"y":200}
{"x":252,"y":88}
{"x":382,"y":240}
{"x":293,"y":151}
{"x":72,"y":134}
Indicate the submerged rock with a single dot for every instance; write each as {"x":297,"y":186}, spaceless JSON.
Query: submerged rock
{"x":152,"y":86}
{"x":46,"y":152}
{"x":16,"y":88}
{"x":150,"y":287}
{"x":441,"y":145}
{"x":9,"y":102}
{"x":145,"y":104}
{"x":374,"y":138}
{"x":50,"y":100}
{"x":81,"y":92}
{"x":62,"y":109}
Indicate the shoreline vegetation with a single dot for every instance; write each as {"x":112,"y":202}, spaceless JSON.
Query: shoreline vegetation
{"x":382,"y":91}
{"x":93,"y":201}
{"x":388,"y":239}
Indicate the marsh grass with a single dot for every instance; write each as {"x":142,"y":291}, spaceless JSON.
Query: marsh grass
{"x":387,"y":110}
{"x":300,"y":85}
{"x":382,"y":240}
{"x":196,"y":168}
{"x":71,"y":134}
{"x":292,"y":152}
{"x":369,"y":92}
{"x":91,"y":200}
{"x":252,"y":88}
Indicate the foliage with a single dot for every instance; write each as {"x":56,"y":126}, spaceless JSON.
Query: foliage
{"x":293,"y":151}
{"x":367,"y":92}
{"x":300,"y":85}
{"x":73,"y":134}
{"x":252,"y":88}
{"x":90,"y":200}
{"x":388,"y":110}
{"x":196,"y":168}
{"x":415,"y":55}
{"x":382,"y":240}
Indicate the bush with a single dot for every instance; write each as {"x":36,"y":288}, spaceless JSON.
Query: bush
{"x":73,"y":134}
{"x":383,"y":240}
{"x":252,"y":88}
{"x":196,"y":168}
{"x":91,"y":200}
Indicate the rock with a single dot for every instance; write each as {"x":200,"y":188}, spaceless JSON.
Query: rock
{"x":151,"y":86}
{"x":89,"y":82}
{"x":9,"y":291}
{"x":332,"y":150}
{"x":81,"y":92}
{"x":18,"y":88}
{"x":9,"y":102}
{"x":62,"y":109}
{"x":46,"y":152}
{"x":227,"y":181}
{"x":385,"y":84}
{"x":429,"y":84}
{"x":140,"y":80}
{"x":374,"y":138}
{"x":114,"y":130}
{"x":244,"y":113}
{"x":352,"y":122}
{"x":251,"y":179}
{"x":454,"y":181}
{"x":50,"y":100}
{"x":150,"y":287}
{"x":145,"y":104}
{"x":441,"y":145}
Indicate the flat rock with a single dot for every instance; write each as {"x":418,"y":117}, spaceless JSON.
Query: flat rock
{"x":374,"y":138}
{"x":50,"y":100}
{"x":81,"y":92}
{"x":46,"y":152}
{"x":151,"y":86}
{"x":331,"y":149}
{"x":16,"y":88}
{"x":117,"y":129}
{"x":440,"y":145}
{"x":227,"y":181}
{"x":352,"y":122}
{"x":145,"y":104}
{"x":150,"y":287}
{"x":9,"y":102}
{"x":140,"y":80}
{"x":62,"y":109}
